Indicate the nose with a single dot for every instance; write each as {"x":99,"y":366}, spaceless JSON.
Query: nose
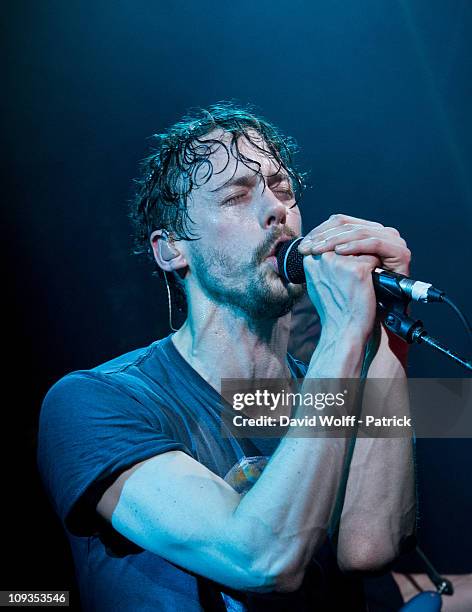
{"x":272,"y":211}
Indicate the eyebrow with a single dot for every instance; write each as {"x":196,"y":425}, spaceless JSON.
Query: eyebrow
{"x":247,"y":180}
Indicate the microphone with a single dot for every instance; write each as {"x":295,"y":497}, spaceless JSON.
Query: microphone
{"x":386,"y":283}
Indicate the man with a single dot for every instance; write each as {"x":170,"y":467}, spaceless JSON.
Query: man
{"x":132,"y":451}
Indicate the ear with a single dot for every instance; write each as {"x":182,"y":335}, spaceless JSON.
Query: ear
{"x":166,"y":252}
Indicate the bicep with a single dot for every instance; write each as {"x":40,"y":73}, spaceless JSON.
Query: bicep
{"x":175,"y":507}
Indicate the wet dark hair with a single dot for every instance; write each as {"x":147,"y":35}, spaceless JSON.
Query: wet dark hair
{"x":180,"y":160}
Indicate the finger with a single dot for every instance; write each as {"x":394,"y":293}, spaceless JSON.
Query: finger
{"x":393,"y":231}
{"x":369,"y":228}
{"x":337,"y":221}
{"x":341,"y":218}
{"x":375,"y":246}
{"x":347,"y":233}
{"x":371,"y":260}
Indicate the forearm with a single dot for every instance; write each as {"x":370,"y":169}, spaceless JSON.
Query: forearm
{"x":379,"y":508}
{"x":175,"y":507}
{"x":287,"y":513}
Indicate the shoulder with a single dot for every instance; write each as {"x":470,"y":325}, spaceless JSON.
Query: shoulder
{"x":96,"y":423}
{"x":109,"y":395}
{"x":118,"y":373}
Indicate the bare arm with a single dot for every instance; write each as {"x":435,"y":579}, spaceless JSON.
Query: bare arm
{"x":175,"y":507}
{"x":380,"y":507}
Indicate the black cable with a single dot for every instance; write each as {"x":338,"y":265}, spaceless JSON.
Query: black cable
{"x":460,"y":314}
{"x":444,"y":586}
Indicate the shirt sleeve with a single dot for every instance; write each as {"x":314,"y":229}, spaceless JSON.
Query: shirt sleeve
{"x":90,"y":431}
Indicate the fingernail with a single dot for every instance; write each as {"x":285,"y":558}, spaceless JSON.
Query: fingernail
{"x":341,"y":247}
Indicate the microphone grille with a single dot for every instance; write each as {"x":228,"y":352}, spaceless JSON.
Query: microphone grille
{"x":290,"y":262}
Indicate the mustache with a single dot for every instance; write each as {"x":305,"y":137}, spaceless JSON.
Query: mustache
{"x":268,"y":244}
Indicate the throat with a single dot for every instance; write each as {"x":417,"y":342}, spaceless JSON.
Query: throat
{"x":234,"y":353}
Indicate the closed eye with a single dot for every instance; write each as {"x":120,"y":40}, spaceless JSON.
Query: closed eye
{"x":235,"y":199}
{"x":284,"y":192}
{"x":287,"y":195}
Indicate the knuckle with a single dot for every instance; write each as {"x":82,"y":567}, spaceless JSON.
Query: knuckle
{"x":327,"y":257}
{"x":370,"y":260}
{"x":357,"y":230}
{"x":358,"y":272}
{"x":362,"y":232}
{"x":338,"y":217}
{"x":375,"y":242}
{"x":393,"y":230}
{"x":345,"y":262}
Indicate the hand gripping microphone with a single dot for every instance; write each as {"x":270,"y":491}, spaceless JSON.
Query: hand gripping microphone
{"x":386,"y":283}
{"x":393,"y":292}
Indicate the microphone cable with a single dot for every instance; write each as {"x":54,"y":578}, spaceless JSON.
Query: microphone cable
{"x":460,"y":314}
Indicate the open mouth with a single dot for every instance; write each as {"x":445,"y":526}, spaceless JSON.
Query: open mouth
{"x":272,"y":259}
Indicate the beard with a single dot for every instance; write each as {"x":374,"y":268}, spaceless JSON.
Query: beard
{"x":250,"y":287}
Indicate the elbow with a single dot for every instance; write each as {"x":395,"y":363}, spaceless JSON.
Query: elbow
{"x":277,"y":563}
{"x":289,"y":580}
{"x":372,"y":550}
{"x":367,"y":556}
{"x":272,"y":568}
{"x":278,"y":580}
{"x":282,"y":569}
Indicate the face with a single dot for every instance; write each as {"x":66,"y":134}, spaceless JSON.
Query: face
{"x":238,"y":220}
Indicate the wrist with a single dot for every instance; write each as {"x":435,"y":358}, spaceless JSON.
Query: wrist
{"x":350,"y":336}
{"x":338,"y":355}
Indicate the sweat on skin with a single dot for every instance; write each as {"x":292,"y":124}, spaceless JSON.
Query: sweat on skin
{"x":237,"y":327}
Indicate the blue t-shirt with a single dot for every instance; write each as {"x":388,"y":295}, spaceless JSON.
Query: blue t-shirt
{"x":97,"y":423}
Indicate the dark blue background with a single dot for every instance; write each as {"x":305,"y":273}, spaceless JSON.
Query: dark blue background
{"x":378,"y":95}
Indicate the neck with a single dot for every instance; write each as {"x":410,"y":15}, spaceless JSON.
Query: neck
{"x":220,"y":342}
